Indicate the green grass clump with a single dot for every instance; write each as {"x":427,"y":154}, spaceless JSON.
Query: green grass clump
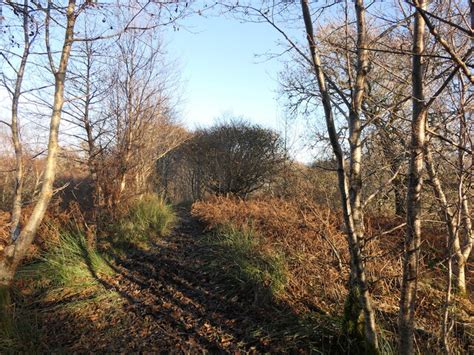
{"x":239,"y":258}
{"x":152,"y":214}
{"x":69,"y":266}
{"x":146,"y":219}
{"x":67,"y":275}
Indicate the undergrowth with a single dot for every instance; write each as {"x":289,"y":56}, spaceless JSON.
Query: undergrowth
{"x":67,"y":275}
{"x":147,"y":218}
{"x":238,"y":259}
{"x":70,"y":279}
{"x":68,"y":267}
{"x":21,"y":335}
{"x":316,"y":255}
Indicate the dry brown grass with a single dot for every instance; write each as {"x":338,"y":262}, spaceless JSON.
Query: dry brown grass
{"x":312,"y":239}
{"x":55,"y":219}
{"x":311,"y":242}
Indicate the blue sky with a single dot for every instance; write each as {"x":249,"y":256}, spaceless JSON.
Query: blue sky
{"x":225,"y":70}
{"x":222,"y":71}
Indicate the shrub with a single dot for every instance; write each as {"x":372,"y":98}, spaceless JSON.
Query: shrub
{"x":233,"y":157}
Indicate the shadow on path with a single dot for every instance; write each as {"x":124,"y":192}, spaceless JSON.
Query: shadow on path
{"x":171,"y":303}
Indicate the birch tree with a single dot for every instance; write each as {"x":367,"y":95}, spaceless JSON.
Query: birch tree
{"x":140,"y":107}
{"x":413,"y":233}
{"x":421,"y":103}
{"x":29,"y":29}
{"x":15,"y":252}
{"x":83,"y":111}
{"x":333,"y":97}
{"x":59,"y":32}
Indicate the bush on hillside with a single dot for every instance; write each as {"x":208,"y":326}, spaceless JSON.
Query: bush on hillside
{"x":234,"y":157}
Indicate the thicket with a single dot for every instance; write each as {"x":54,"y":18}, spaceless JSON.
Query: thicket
{"x":231,"y":157}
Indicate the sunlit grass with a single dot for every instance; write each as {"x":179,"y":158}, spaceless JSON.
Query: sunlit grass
{"x":239,"y":259}
{"x":147,"y":219}
{"x":67,"y":275}
{"x":69,"y":267}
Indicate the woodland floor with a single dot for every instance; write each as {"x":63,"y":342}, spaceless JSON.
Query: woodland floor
{"x":168,"y":302}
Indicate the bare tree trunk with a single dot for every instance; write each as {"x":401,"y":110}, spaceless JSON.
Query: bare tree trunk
{"x":15,"y":252}
{"x":415,"y":182}
{"x":92,"y":149}
{"x":463,"y":249}
{"x":124,"y":162}
{"x":350,"y":197}
{"x":355,"y":190}
{"x":457,"y":251}
{"x":18,"y":190}
{"x":464,"y":252}
{"x":445,"y":323}
{"x":453,"y":235}
{"x":121,"y":187}
{"x":461,"y":274}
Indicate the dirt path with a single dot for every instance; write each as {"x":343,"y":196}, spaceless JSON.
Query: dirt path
{"x":172,"y":304}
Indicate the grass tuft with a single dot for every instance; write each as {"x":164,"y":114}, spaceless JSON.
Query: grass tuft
{"x":239,"y":259}
{"x":67,"y":275}
{"x":69,"y":266}
{"x":146,"y":219}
